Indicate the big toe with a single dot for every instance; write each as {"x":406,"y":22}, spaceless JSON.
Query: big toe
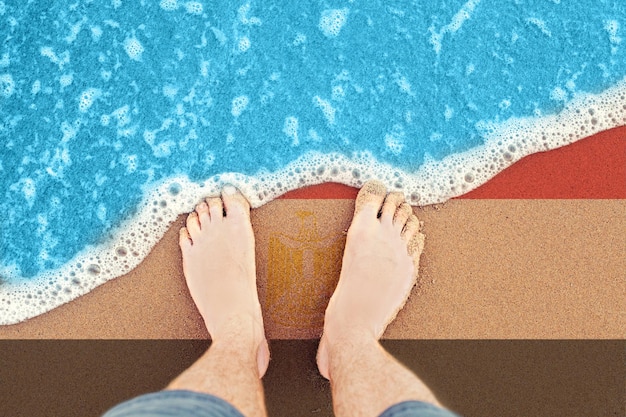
{"x":370,"y":198}
{"x":235,"y":204}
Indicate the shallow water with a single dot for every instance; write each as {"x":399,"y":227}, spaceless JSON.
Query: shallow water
{"x":117,"y":116}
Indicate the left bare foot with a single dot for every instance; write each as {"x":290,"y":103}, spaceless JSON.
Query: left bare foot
{"x":219,"y":266}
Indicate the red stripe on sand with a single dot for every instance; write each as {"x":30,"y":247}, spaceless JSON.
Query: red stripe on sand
{"x":594,"y":167}
{"x":330,"y":190}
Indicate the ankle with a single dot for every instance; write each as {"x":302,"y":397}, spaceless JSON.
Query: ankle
{"x":349,"y":336}
{"x":240,"y":330}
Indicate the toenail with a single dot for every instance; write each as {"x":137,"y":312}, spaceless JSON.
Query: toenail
{"x":229,"y":190}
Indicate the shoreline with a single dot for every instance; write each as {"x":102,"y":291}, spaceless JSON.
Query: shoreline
{"x":133,"y":240}
{"x":152,"y":300}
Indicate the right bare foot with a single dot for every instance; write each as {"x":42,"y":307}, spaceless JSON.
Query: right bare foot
{"x":379,"y":269}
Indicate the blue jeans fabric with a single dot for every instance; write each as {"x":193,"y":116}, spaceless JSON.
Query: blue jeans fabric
{"x":183,"y":403}
{"x":416,"y":409}
{"x":174,"y":403}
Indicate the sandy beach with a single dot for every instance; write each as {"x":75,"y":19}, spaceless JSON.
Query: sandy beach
{"x":537,"y":253}
{"x":542,"y":261}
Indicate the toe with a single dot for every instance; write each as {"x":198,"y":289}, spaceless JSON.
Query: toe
{"x":184,"y":240}
{"x":202,"y":209}
{"x":216,"y":208}
{"x":235,"y":204}
{"x":193,"y":225}
{"x":402,"y":214}
{"x":416,"y":245}
{"x":391,"y":204}
{"x":411,"y":227}
{"x":370,"y":198}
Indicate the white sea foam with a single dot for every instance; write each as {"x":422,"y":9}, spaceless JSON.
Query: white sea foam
{"x":66,"y":80}
{"x":540,"y":24}
{"x":5,"y":61}
{"x":332,"y":20}
{"x":434,"y":182}
{"x":87,"y":98}
{"x":194,"y":7}
{"x":7,"y":85}
{"x":243,"y":16}
{"x":244,"y":44}
{"x":464,"y":13}
{"x":36,"y":87}
{"x":291,"y":129}
{"x":168,"y":5}
{"x":133,"y":48}
{"x":239,"y":104}
{"x":327,"y":109}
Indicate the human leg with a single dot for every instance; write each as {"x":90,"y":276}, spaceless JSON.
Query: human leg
{"x":219,"y":266}
{"x":378,"y":272}
{"x":218,"y":261}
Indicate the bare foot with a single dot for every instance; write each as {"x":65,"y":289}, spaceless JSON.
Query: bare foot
{"x":219,"y":266}
{"x":379,"y":269}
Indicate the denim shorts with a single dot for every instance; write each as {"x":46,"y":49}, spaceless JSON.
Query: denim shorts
{"x":194,"y":404}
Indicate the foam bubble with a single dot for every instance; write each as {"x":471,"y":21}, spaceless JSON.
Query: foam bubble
{"x":244,"y":44}
{"x":327,"y":109}
{"x":29,"y":189}
{"x":122,"y":115}
{"x":163,"y":149}
{"x":299,"y":39}
{"x":558,"y":94}
{"x":101,"y":213}
{"x":338,"y":93}
{"x":290,"y":129}
{"x":332,"y":20}
{"x":65,"y":80}
{"x":133,"y":48}
{"x":5,"y":61}
{"x":394,"y":141}
{"x":404,"y":84}
{"x":612,"y":26}
{"x":541,"y":24}
{"x":7,"y":85}
{"x":504,"y":104}
{"x":75,"y":30}
{"x":209,"y":158}
{"x":149,"y":136}
{"x":194,"y":7}
{"x":169,"y":5}
{"x":116,"y":3}
{"x":243,"y":16}
{"x":130,"y":161}
{"x":87,"y":97}
{"x":239,"y":104}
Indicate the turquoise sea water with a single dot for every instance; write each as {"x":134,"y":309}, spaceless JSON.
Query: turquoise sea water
{"x":100,"y":101}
